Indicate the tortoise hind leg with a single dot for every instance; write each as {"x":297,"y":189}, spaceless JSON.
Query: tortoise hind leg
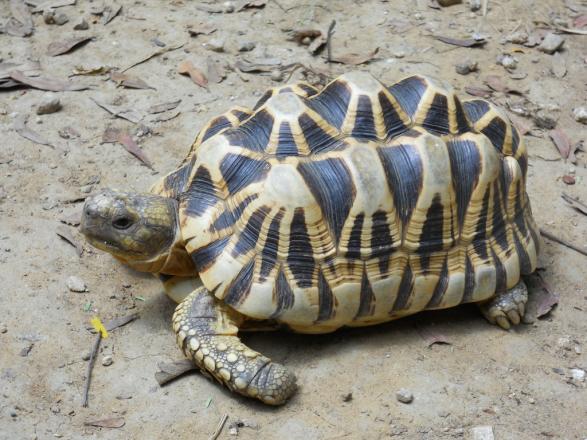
{"x":207,"y":333}
{"x":507,"y":308}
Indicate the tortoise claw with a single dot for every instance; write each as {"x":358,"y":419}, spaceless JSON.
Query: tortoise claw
{"x":507,"y":309}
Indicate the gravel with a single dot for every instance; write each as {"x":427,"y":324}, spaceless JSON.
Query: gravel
{"x":551,"y":43}
{"x":404,"y":396}
{"x":76,"y":284}
{"x":49,"y":104}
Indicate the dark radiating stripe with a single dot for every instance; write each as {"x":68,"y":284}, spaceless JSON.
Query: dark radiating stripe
{"x":310,"y":91}
{"x":393,"y":123}
{"x":240,"y":171}
{"x":519,"y":213}
{"x":201,"y":193}
{"x":437,"y":115}
{"x":469,"y":281}
{"x":441,"y":286}
{"x":500,"y":274}
{"x":317,"y":139}
{"x":524,"y":259}
{"x":228,"y":218}
{"x":286,"y":145}
{"x":332,"y":103}
{"x":300,"y":257}
{"x":480,"y":238}
{"x":364,"y":122}
{"x":408,"y":93}
{"x":217,"y":124}
{"x":241,"y":116}
{"x":367,"y":298}
{"x":205,"y":256}
{"x":499,"y":231}
{"x":283,"y":296}
{"x":431,"y":238}
{"x":515,"y":139}
{"x":465,"y":165}
{"x":403,"y":170}
{"x":462,"y":123}
{"x":240,"y":287}
{"x":332,"y":185}
{"x":523,"y":162}
{"x":263,"y":99}
{"x":496,"y":131}
{"x":269,"y":252}
{"x":535,"y":237}
{"x":381,"y":240}
{"x":176,"y":182}
{"x":475,"y":109}
{"x":354,"y":245}
{"x":406,"y":286}
{"x":254,"y":133}
{"x":250,"y":233}
{"x":325,"y":299}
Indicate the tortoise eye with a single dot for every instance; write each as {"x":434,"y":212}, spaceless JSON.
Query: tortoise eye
{"x":122,"y":223}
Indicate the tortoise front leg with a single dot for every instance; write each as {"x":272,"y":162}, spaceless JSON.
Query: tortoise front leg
{"x":507,"y":308}
{"x":207,"y":333}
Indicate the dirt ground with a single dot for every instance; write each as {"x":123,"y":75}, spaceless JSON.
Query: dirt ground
{"x":518,"y":382}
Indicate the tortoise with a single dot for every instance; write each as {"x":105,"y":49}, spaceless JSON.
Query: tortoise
{"x":350,"y":206}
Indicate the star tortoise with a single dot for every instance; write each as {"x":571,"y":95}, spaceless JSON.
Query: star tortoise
{"x":349,"y":206}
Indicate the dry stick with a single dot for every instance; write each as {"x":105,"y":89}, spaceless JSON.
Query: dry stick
{"x":153,"y":55}
{"x":218,"y":430}
{"x":91,"y":363}
{"x":563,"y":242}
{"x":575,"y":203}
{"x":329,"y":39}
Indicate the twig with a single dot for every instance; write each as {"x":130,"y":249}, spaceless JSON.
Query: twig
{"x":91,"y":363}
{"x":169,"y":371}
{"x":575,"y":203}
{"x":329,"y":40}
{"x":563,"y":242}
{"x":153,"y":55}
{"x":218,"y":430}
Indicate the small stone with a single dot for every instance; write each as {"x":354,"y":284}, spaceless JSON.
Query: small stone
{"x":81,"y":26}
{"x":229,"y":7}
{"x":466,"y":67}
{"x":49,"y":104}
{"x":519,"y":37}
{"x":482,"y":433}
{"x":568,"y":179}
{"x":86,"y":189}
{"x":578,"y":374}
{"x":580,"y":114}
{"x":13,"y":413}
{"x":404,"y":396}
{"x":246,"y":46}
{"x":474,"y":5}
{"x":61,"y":19}
{"x":277,"y":75}
{"x":3,"y":328}
{"x":215,"y":45}
{"x":24,"y":352}
{"x":443,"y":413}
{"x":107,"y":360}
{"x":507,"y":61}
{"x":49,"y":16}
{"x":551,"y":43}
{"x":543,"y":119}
{"x":124,"y":396}
{"x":347,"y":397}
{"x":76,"y":284}
{"x":86,"y":356}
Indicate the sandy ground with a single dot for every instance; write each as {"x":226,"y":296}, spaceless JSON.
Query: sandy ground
{"x":518,"y":382}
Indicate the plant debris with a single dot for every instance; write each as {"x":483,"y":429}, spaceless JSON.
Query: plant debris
{"x":117,"y":135}
{"x":566,"y":243}
{"x":130,"y":115}
{"x":152,"y":55}
{"x":251,"y":4}
{"x":21,"y":128}
{"x":166,"y":106}
{"x":355,"y":59}
{"x":169,"y":371}
{"x":562,"y":143}
{"x":469,"y":42}
{"x":113,"y":422}
{"x":131,"y":82}
{"x":50,"y":5}
{"x":66,"y":235}
{"x":186,"y":67}
{"x":61,"y":47}
{"x":215,"y":71}
{"x":575,"y":203}
{"x":21,"y":23}
{"x":46,"y":83}
{"x":431,"y":337}
{"x":201,"y":29}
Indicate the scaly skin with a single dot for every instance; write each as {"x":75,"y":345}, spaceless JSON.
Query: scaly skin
{"x":506,"y":309}
{"x":207,"y":333}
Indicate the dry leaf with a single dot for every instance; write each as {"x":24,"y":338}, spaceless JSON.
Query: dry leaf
{"x":110,"y":11}
{"x":469,"y":42}
{"x":580,"y":21}
{"x":6,"y":67}
{"x":299,"y":35}
{"x":214,"y":71}
{"x":91,"y":70}
{"x":44,"y":83}
{"x":122,"y":79}
{"x":187,"y":68}
{"x":171,"y":370}
{"x":113,"y":324}
{"x":252,"y":4}
{"x":561,"y":141}
{"x":153,"y":55}
{"x":317,"y":45}
{"x":541,"y":298}
{"x":65,"y":233}
{"x":431,"y":336}
{"x":355,"y":59}
{"x":21,"y":23}
{"x":114,"y":422}
{"x":53,"y":4}
{"x":21,"y":128}
{"x":166,"y":106}
{"x":64,"y":46}
{"x":131,"y":115}
{"x":201,"y":29}
{"x":523,"y":125}
{"x":112,"y":134}
{"x":71,"y":219}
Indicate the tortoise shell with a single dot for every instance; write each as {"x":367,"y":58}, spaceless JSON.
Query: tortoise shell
{"x":357,"y":204}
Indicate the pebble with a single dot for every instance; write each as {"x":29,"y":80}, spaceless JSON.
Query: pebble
{"x":507,"y":61}
{"x":551,"y":43}
{"x":482,"y":433}
{"x":229,"y":7}
{"x":404,"y":396}
{"x":277,"y":75}
{"x":49,"y":104}
{"x":474,"y":5}
{"x":61,"y":19}
{"x":215,"y":45}
{"x":578,"y":374}
{"x":246,"y":46}
{"x":86,"y":356}
{"x":519,"y":37}
{"x":542,"y":119}
{"x":107,"y":360}
{"x":580,"y":114}
{"x":13,"y":413}
{"x":3,"y":328}
{"x":81,"y":26}
{"x":466,"y":67}
{"x":76,"y":284}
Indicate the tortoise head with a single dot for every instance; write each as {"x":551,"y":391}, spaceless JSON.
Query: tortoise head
{"x":141,"y":230}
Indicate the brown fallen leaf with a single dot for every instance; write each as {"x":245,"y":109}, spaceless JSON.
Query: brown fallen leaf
{"x":580,"y":21}
{"x":21,"y":128}
{"x":561,"y":141}
{"x":113,"y":324}
{"x":469,"y":42}
{"x":480,"y":91}
{"x":171,"y":370}
{"x":71,"y":219}
{"x":30,"y":67}
{"x":201,"y":29}
{"x":46,"y":83}
{"x":131,"y":115}
{"x":60,"y":47}
{"x":66,"y":235}
{"x":523,"y":125}
{"x":251,"y":4}
{"x":543,"y":299}
{"x":112,"y":135}
{"x":431,"y":336}
{"x":575,"y":203}
{"x":131,"y":82}
{"x":300,"y":35}
{"x":166,"y":117}
{"x":249,"y":67}
{"x":166,"y":106}
{"x":98,"y":69}
{"x":110,"y":11}
{"x":214,"y":71}
{"x":21,"y":23}
{"x":187,"y":68}
{"x":355,"y":59}
{"x":113,"y":422}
